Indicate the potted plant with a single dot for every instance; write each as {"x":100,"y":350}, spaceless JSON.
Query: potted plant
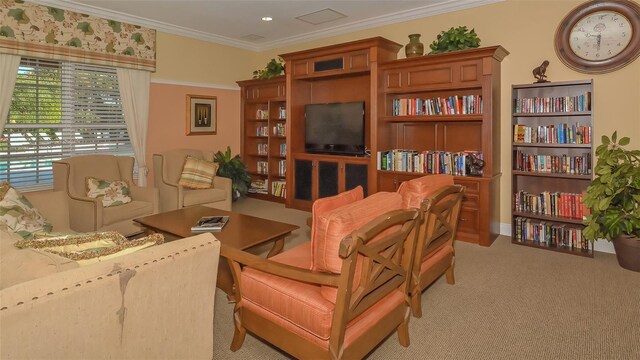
{"x":273,"y":68}
{"x":454,"y":39}
{"x":234,"y":169}
{"x":613,"y":199}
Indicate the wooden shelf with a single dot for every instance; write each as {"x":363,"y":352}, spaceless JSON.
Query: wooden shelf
{"x":526,"y":184}
{"x":553,"y":114}
{"x":552,"y":175}
{"x":579,"y":252}
{"x":460,"y":73}
{"x":557,"y":219}
{"x":432,"y":118}
{"x":554,"y":145}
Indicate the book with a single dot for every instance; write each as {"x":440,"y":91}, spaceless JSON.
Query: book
{"x":210,"y":224}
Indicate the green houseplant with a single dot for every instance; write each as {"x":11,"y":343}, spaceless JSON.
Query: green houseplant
{"x":234,"y":169}
{"x":273,"y":68}
{"x":613,"y":199}
{"x":454,"y":39}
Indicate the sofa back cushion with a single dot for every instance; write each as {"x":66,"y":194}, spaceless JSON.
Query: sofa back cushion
{"x":334,"y":225}
{"x":415,"y":190}
{"x":173,"y":163}
{"x":104,"y":167}
{"x":324,"y":205}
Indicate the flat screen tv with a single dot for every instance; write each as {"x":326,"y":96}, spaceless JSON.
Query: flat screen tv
{"x":334,"y":128}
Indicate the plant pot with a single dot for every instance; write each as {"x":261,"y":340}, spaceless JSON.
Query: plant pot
{"x":628,"y":252}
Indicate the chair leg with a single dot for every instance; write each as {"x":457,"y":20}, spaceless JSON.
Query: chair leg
{"x":403,"y":331}
{"x":449,"y":274}
{"x":416,"y":303}
{"x":239,"y":332}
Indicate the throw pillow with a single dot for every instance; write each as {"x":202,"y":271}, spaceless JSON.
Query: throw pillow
{"x":88,"y":248}
{"x":19,"y":215}
{"x":416,"y":190}
{"x":113,"y":193}
{"x":324,"y":205}
{"x":197,"y":173}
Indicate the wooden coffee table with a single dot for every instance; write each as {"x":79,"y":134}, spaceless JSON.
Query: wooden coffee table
{"x":241,"y":232}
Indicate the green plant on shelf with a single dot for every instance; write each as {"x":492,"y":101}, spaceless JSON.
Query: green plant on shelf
{"x":459,"y":38}
{"x":273,"y":68}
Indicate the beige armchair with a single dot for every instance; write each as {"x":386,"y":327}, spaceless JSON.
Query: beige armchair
{"x":167,"y":168}
{"x":88,"y":214}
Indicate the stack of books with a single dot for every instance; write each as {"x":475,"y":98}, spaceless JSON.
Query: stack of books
{"x":210,"y":224}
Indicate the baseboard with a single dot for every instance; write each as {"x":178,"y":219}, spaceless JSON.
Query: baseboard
{"x":599,"y":245}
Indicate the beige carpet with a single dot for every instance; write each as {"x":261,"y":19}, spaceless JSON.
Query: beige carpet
{"x":509,"y":302}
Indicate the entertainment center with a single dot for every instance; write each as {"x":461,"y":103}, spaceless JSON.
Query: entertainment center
{"x":443,"y":108}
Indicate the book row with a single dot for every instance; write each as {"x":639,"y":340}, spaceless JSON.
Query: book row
{"x":283,"y":149}
{"x":552,"y":134}
{"x":558,"y":204}
{"x":262,"y":114}
{"x":279,"y":188}
{"x":538,"y":104}
{"x":279,"y":130}
{"x":263,"y":149}
{"x":282,"y":168}
{"x":262,"y":131}
{"x":547,"y":234}
{"x":262,"y":167}
{"x":429,"y":162}
{"x":451,"y":105}
{"x":557,"y":164}
{"x":258,"y":186}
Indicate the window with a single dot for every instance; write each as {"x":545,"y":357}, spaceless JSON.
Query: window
{"x":58,"y":110}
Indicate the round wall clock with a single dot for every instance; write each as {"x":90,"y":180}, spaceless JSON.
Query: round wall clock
{"x":599,"y":36}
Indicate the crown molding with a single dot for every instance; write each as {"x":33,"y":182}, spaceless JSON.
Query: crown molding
{"x":388,"y":19}
{"x":193,"y":84}
{"x":392,"y":18}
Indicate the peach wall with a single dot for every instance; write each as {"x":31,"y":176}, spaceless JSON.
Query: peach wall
{"x":167,"y":121}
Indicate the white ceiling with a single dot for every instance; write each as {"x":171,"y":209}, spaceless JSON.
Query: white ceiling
{"x":238,"y":22}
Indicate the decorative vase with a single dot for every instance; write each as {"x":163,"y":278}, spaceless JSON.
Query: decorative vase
{"x":414,"y":47}
{"x":628,"y":252}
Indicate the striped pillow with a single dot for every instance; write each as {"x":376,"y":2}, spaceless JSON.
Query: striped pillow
{"x":197,"y":173}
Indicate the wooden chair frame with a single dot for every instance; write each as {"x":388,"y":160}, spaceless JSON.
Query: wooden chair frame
{"x":439,"y":220}
{"x":386,"y":265}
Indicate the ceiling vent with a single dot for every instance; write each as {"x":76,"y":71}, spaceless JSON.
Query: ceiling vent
{"x":252,"y":38}
{"x":321,"y":16}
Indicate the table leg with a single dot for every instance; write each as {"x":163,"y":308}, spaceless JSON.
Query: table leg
{"x":278,"y":245}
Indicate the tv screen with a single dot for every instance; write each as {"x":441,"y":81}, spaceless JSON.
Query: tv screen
{"x":335,"y":128}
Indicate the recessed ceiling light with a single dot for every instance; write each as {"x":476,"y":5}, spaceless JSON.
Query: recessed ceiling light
{"x":267,"y":18}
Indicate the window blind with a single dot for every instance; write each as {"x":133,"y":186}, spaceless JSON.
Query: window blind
{"x":59,"y":110}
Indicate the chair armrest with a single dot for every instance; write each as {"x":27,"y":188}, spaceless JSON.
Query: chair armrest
{"x":148,"y":194}
{"x":238,"y":258}
{"x":221,"y":182}
{"x":85,"y":213}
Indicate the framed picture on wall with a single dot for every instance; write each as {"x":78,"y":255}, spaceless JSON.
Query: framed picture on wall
{"x":201,"y":115}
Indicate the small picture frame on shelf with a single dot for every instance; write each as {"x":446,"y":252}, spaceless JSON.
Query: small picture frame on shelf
{"x":201,"y":115}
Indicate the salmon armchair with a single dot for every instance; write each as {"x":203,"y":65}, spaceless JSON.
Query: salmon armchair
{"x":345,"y":301}
{"x":439,"y":201}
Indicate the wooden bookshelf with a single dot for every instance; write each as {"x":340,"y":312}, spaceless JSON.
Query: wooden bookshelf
{"x":474,"y":126}
{"x":552,"y":128}
{"x":264,"y":136}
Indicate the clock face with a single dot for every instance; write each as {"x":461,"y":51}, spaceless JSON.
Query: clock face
{"x":600,"y":35}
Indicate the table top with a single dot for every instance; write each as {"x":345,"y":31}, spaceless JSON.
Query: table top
{"x":241,"y":231}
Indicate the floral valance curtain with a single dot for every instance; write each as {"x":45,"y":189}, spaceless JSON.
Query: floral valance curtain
{"x":29,"y":29}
